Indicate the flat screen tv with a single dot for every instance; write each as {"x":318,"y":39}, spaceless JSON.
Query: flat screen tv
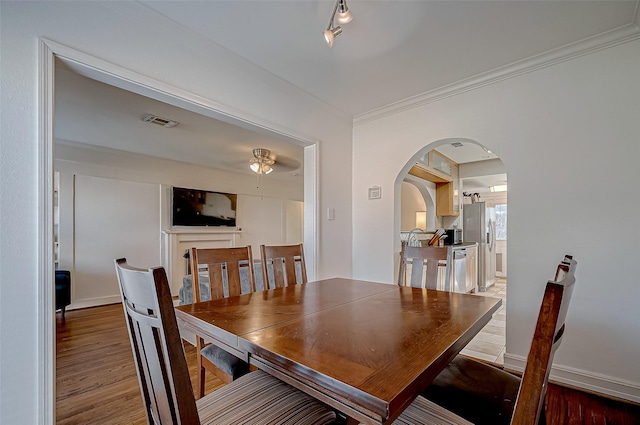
{"x":193,"y":207}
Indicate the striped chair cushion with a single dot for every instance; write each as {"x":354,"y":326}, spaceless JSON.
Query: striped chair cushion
{"x":425,"y":412}
{"x":260,"y":399}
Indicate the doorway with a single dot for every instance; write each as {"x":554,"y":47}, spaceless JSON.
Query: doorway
{"x":476,"y":175}
{"x":125,"y":79}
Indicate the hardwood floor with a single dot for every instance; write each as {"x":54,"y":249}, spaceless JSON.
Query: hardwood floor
{"x":96,"y":381}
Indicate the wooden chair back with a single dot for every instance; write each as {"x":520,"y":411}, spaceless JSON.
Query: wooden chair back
{"x":422,"y":264}
{"x":222,"y":265}
{"x":283,"y":259}
{"x":225,"y":268}
{"x":546,"y":339}
{"x":157,"y":347}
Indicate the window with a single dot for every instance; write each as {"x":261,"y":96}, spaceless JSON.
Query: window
{"x":501,"y":222}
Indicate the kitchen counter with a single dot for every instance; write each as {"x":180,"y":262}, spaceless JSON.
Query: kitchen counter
{"x":462,"y":245}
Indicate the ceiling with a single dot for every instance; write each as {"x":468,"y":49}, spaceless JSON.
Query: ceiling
{"x":92,"y":113}
{"x":390,"y":52}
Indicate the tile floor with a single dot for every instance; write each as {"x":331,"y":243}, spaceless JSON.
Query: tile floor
{"x":490,"y":343}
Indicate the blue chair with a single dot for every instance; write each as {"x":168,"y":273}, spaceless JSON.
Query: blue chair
{"x":63,"y":290}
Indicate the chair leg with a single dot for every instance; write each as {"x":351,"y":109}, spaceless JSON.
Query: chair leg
{"x":201,"y":381}
{"x":201,"y":371}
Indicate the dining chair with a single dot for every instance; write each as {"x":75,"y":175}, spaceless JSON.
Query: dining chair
{"x":257,"y":398}
{"x":286,"y":262}
{"x":228,"y":270}
{"x":469,"y":391}
{"x":421,"y":264}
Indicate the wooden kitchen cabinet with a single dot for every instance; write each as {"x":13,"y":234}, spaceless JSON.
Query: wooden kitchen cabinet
{"x":447,"y":195}
{"x":445,"y":174}
{"x":445,"y":200}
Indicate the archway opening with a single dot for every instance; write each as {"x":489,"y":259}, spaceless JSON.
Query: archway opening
{"x":466,"y":183}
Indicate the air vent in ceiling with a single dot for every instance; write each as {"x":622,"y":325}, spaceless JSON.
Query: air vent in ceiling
{"x":160,"y":121}
{"x":457,"y":144}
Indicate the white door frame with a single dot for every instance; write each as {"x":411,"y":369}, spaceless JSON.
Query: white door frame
{"x":123,"y":78}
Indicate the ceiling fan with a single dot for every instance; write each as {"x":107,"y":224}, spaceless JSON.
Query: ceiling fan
{"x":263,"y":161}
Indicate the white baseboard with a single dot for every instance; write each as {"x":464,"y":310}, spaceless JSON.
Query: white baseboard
{"x":94,"y":302}
{"x":582,"y":379}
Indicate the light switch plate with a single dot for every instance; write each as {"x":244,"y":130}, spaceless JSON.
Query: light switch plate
{"x":331,"y":214}
{"x":375,"y":192}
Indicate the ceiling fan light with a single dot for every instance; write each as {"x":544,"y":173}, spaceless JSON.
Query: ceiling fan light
{"x":261,"y":162}
{"x":331,"y":34}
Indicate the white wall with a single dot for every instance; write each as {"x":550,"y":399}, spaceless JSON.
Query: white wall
{"x":111,"y":190}
{"x":120,"y":33}
{"x":568,"y":135}
{"x":111,"y":219}
{"x":412,"y":201}
{"x":585,"y":111}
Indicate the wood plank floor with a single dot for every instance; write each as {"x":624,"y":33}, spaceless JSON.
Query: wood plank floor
{"x":96,"y":381}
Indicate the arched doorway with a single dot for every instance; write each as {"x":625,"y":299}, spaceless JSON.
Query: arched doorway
{"x":417,"y":208}
{"x":461,"y":172}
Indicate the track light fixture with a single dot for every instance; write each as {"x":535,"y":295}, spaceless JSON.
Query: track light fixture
{"x":331,"y":34}
{"x":343,"y":17}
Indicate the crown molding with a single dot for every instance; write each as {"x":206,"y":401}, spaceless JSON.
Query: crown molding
{"x":587,"y":46}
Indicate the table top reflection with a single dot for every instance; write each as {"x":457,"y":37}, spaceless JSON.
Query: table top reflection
{"x":367,"y":349}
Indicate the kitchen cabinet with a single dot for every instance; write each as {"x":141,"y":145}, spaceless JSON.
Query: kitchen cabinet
{"x":442,"y":171}
{"x":464,"y":272}
{"x":445,"y":200}
{"x":440,"y":163}
{"x":472,"y":268}
{"x":447,"y":195}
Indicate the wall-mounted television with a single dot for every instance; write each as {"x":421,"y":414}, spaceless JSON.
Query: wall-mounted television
{"x":193,"y":207}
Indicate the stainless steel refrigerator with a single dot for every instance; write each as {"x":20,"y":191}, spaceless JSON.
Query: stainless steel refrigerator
{"x":479,"y":225}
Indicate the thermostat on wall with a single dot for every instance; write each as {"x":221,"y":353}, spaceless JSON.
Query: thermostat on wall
{"x":375,"y":192}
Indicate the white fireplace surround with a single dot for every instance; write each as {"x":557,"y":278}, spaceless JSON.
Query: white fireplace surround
{"x":179,"y":240}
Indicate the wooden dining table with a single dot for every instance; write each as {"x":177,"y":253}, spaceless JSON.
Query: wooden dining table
{"x":366,"y":349}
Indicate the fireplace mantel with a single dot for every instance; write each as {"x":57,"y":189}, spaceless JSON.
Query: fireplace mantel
{"x":201,"y":230}
{"x":178,"y":240}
